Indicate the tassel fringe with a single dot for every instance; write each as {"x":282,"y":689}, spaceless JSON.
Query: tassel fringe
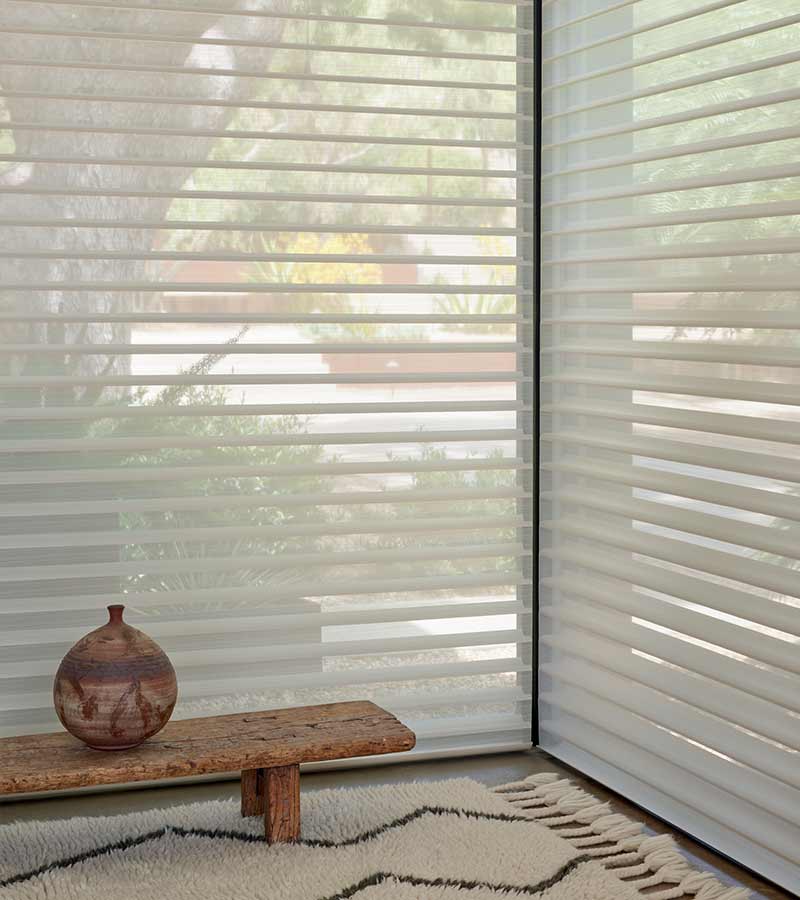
{"x":645,"y":862}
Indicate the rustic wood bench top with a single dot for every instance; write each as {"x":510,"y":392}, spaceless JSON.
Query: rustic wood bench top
{"x":267,"y":746}
{"x":253,"y":740}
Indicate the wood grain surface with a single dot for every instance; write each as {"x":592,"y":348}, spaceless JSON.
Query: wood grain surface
{"x":253,"y":801}
{"x":257,"y":740}
{"x":282,"y":801}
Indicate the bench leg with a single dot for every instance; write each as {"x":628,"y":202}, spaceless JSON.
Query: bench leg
{"x":253,"y":801}
{"x":282,"y":804}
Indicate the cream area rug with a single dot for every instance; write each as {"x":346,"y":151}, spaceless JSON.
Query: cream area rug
{"x":447,"y":840}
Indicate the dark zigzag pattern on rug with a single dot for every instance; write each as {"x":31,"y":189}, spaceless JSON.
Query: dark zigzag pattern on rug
{"x":528,"y":890}
{"x":224,"y":834}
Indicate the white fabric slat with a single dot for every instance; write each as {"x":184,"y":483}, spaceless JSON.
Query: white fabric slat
{"x":288,"y":226}
{"x":203,"y":40}
{"x":755,"y":427}
{"x":211,"y":287}
{"x":287,"y":318}
{"x":251,"y":647}
{"x":713,"y":109}
{"x":300,"y":378}
{"x":21,"y":574}
{"x":365,"y":199}
{"x":550,"y":10}
{"x":749,"y":823}
{"x":728,"y":388}
{"x":670,"y":401}
{"x":682,"y":553}
{"x":691,"y":47}
{"x":280,"y":532}
{"x":740,"y":352}
{"x":641,"y":29}
{"x":744,"y":783}
{"x":257,"y":104}
{"x":405,"y":700}
{"x":736,"y":176}
{"x":196,"y":599}
{"x":245,"y":653}
{"x":282,"y":501}
{"x":770,"y":503}
{"x":684,"y":217}
{"x":438,"y":728}
{"x":727,"y":703}
{"x":235,"y":621}
{"x":374,"y":258}
{"x":188,"y":473}
{"x":266,"y":313}
{"x":671,"y":286}
{"x":61,"y":445}
{"x":639,"y":605}
{"x":259,"y":349}
{"x":270,"y":165}
{"x":769,"y":465}
{"x":232,"y":134}
{"x":746,"y":68}
{"x":717,"y":528}
{"x":759,"y":682}
{"x":704,"y":250}
{"x":690,"y":318}
{"x":62,"y":413}
{"x":275,"y":14}
{"x":771,"y":613}
{"x":220,"y":684}
{"x":258,"y":73}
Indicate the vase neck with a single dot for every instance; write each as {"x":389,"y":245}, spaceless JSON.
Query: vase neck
{"x":115,"y":614}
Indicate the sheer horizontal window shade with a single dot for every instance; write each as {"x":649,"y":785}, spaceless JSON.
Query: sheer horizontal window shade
{"x":670,"y":404}
{"x":266,"y":307}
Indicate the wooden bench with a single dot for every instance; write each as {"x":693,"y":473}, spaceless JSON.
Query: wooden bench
{"x":267,"y":747}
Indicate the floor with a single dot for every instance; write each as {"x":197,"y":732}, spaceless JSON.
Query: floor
{"x":489,"y":769}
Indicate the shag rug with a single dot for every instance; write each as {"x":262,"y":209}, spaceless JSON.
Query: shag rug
{"x":448,"y":840}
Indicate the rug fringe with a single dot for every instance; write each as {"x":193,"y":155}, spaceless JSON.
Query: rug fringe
{"x":619,"y":843}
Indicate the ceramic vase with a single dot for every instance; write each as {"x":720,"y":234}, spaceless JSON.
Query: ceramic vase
{"x":116,"y":687}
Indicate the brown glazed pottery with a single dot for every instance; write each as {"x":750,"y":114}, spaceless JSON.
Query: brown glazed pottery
{"x":115,"y":687}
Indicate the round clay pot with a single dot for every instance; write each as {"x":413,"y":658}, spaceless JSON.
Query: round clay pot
{"x":115,"y":687}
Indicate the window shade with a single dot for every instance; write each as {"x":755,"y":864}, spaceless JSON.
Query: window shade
{"x":266,"y":310}
{"x":670,"y":406}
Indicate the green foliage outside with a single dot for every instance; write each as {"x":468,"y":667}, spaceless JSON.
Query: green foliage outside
{"x":762,"y":117}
